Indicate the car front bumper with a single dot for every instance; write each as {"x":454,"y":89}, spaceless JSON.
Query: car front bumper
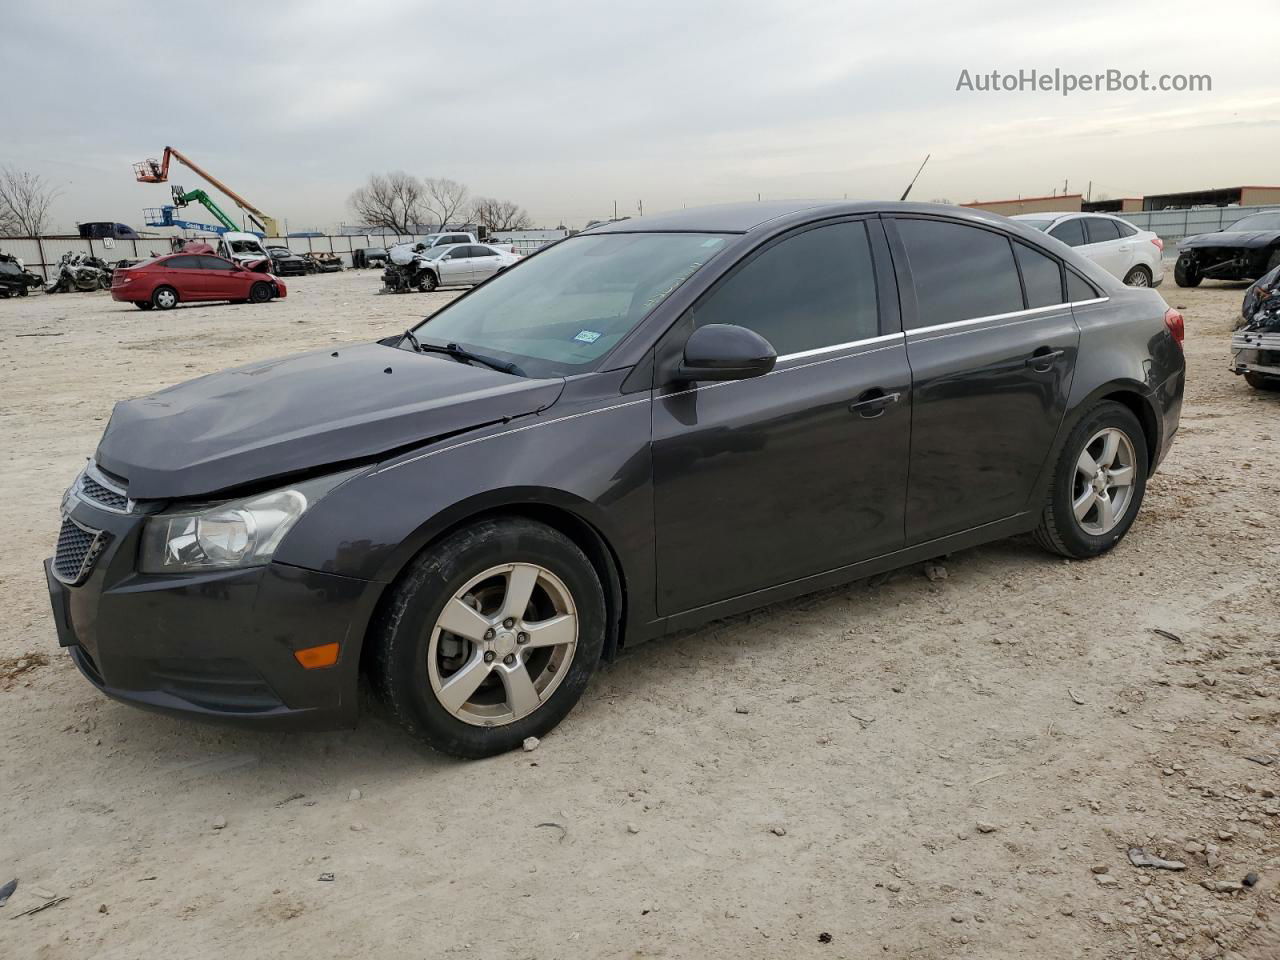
{"x":1255,"y":352}
{"x":215,"y":645}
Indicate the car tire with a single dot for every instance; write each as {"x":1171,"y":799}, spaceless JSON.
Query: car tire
{"x":143,"y":304}
{"x":1262,"y":382}
{"x":524,"y":691}
{"x":260,"y":292}
{"x":1186,"y":273}
{"x":1139,"y":276}
{"x":1075,"y":521}
{"x":164,"y":298}
{"x":428,"y":283}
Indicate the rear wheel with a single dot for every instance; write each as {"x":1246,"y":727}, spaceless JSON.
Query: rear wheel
{"x":1139,"y":276}
{"x":1098,"y":484}
{"x":1261,"y":382}
{"x":260,"y":292}
{"x":490,"y":637}
{"x":164,"y":298}
{"x":1186,"y":272}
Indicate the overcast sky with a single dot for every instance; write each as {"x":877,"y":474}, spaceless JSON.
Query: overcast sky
{"x":566,"y":106}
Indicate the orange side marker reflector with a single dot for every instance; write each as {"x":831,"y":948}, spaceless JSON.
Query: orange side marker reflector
{"x":325,"y":655}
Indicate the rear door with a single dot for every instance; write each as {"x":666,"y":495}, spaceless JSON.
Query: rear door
{"x":1106,"y":247}
{"x":763,"y":481}
{"x":992,"y":345}
{"x":485,"y":262}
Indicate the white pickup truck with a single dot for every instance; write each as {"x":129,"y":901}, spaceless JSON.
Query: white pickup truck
{"x":443,"y":239}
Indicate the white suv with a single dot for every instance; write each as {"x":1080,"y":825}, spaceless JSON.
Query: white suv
{"x":1116,"y":245}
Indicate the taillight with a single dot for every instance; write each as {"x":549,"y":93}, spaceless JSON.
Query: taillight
{"x":1177,"y":326}
{"x":1159,"y":243}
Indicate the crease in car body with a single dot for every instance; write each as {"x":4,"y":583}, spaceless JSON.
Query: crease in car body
{"x":899,"y":391}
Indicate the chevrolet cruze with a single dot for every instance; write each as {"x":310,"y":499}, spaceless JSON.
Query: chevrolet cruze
{"x":643,"y":427}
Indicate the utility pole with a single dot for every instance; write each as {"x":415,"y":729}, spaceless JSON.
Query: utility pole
{"x":1064,"y":187}
{"x":1088,"y":197}
{"x":615,"y":209}
{"x":641,"y":206}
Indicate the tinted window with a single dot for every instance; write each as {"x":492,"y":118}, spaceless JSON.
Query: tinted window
{"x":1099,"y":230}
{"x":183,"y":263}
{"x":1078,"y":288}
{"x":814,"y":289}
{"x":482,"y":252}
{"x":1041,"y":276}
{"x":1126,"y":229}
{"x":216,"y":263}
{"x":457,"y":238}
{"x":1070,"y":232}
{"x":960,"y":272}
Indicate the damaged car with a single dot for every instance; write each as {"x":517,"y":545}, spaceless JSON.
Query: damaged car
{"x":1255,"y":344}
{"x":15,"y":279}
{"x":641,"y":428}
{"x":1246,"y":250}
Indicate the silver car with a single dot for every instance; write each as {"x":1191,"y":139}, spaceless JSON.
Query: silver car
{"x":464,"y":264}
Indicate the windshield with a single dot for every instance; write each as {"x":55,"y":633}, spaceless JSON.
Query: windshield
{"x":1036,"y":224}
{"x":565,"y":308}
{"x":1259,"y":221}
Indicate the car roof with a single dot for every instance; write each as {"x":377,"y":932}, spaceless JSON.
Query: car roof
{"x":746,"y":217}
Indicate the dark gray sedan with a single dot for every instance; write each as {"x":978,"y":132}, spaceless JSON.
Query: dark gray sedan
{"x":643,"y":427}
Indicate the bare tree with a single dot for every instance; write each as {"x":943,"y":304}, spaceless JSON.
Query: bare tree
{"x":25,"y":199}
{"x":445,"y":199}
{"x":499,"y":215}
{"x":394,"y":200}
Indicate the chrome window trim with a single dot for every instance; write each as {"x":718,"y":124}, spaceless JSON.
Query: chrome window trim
{"x":1033,"y":311}
{"x":818,"y":351}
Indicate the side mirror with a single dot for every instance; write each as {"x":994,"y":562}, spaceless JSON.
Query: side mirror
{"x":725,"y":351}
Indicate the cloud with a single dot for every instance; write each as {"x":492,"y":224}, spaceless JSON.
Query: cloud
{"x":566,"y":106}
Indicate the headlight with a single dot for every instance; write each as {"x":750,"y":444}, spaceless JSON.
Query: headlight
{"x":229,"y":535}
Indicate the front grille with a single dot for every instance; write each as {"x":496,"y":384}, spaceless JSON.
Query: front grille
{"x":111,"y":499}
{"x":76,"y":552}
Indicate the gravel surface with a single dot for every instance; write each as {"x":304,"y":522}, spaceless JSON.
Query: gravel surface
{"x":924,"y":768}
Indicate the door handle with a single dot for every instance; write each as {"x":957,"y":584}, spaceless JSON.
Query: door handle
{"x":872,"y":403}
{"x":1043,"y":359}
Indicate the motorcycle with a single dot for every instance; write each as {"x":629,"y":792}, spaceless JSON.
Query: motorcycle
{"x":79,"y":271}
{"x":408,"y":268}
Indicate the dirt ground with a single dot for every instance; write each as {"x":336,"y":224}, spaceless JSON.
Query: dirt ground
{"x":912,"y":769}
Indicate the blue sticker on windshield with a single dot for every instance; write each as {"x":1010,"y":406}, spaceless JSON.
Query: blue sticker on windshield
{"x":587,"y":336}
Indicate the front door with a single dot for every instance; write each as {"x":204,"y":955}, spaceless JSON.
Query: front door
{"x":991,"y":366}
{"x":455,"y":266}
{"x":762,"y":481}
{"x":222,"y":278}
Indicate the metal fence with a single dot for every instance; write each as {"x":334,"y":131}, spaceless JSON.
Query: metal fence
{"x":41,"y":254}
{"x":1172,"y":225}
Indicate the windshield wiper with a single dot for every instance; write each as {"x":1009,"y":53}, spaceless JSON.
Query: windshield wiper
{"x":463,"y":355}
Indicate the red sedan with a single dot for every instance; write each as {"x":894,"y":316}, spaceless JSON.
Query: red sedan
{"x":165,"y":282}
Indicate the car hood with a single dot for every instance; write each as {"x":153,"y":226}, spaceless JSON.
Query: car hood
{"x":279,"y":417}
{"x":1228,"y":238}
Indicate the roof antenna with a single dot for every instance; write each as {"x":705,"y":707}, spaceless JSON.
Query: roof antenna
{"x":914,"y":179}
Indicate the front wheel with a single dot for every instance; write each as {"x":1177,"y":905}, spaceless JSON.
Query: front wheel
{"x":260,"y":292}
{"x":1186,"y":272}
{"x":428,"y":282}
{"x":1098,"y":484}
{"x":490,"y":637}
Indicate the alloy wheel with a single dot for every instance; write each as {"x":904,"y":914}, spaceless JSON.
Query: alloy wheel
{"x":1103,"y":485}
{"x":502,"y":644}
